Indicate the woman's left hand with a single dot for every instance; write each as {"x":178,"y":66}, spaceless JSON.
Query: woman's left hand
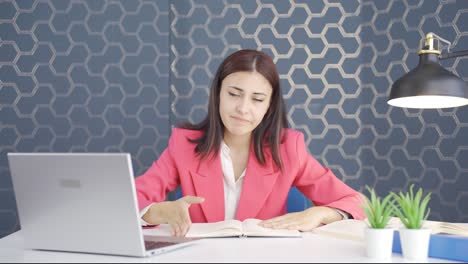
{"x":305,"y":220}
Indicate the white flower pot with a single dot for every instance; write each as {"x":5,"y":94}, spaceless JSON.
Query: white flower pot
{"x":415,"y":243}
{"x":379,"y":242}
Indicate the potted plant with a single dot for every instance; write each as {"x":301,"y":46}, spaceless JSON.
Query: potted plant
{"x":378,"y":236}
{"x":412,"y":209}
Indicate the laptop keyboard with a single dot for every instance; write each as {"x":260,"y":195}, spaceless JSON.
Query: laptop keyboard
{"x":150,"y":245}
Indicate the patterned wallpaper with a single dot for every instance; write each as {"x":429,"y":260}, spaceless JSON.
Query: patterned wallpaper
{"x":114,"y":76}
{"x":82,"y":76}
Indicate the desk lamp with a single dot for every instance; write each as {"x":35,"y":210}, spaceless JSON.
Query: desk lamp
{"x":429,"y":85}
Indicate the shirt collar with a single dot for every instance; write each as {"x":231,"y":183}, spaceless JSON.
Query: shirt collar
{"x":225,"y":148}
{"x":226,"y":157}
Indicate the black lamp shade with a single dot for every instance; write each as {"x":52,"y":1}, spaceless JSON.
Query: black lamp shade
{"x":429,"y":85}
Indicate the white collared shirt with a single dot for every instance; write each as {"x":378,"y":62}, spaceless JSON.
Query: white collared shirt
{"x":232,"y":188}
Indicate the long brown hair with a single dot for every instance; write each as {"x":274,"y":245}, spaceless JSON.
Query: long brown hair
{"x":268,"y":131}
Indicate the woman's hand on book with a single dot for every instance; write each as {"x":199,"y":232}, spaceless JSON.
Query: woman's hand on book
{"x":305,"y":220}
{"x":175,"y":213}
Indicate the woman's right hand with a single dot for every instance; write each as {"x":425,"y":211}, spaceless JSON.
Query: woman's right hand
{"x":175,"y":213}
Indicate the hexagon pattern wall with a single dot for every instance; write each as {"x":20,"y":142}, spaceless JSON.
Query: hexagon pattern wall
{"x":114,"y":76}
{"x":82,"y":76}
{"x":337,"y":61}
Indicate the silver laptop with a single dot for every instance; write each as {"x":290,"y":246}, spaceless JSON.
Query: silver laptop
{"x":82,"y":202}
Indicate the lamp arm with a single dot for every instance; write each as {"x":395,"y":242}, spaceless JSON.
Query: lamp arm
{"x":453,"y":54}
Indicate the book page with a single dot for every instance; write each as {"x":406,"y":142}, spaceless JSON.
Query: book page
{"x":350,"y":229}
{"x":218,"y":229}
{"x":437,"y":227}
{"x":251,"y":228}
{"x":354,"y":229}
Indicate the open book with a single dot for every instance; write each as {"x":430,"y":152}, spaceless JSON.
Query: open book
{"x":354,"y":229}
{"x":247,"y":228}
{"x":228,"y":228}
{"x":459,"y":229}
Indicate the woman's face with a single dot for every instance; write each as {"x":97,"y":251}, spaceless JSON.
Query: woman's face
{"x":244,"y":101}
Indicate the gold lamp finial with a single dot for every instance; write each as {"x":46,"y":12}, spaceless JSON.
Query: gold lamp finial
{"x":429,"y":44}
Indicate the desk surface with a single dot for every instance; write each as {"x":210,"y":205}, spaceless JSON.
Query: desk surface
{"x":309,"y":248}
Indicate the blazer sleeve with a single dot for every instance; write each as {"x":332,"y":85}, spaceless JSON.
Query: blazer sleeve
{"x":322,"y":187}
{"x":161,"y":178}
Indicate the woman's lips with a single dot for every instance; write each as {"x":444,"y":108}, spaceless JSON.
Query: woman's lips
{"x":239,"y":119}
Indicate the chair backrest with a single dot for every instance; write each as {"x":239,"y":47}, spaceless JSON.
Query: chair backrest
{"x":296,"y":200}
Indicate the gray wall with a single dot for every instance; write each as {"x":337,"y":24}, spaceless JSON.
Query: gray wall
{"x":114,"y":76}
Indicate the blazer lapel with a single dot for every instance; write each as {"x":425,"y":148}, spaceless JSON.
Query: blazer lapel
{"x":208,"y":183}
{"x":258,"y":184}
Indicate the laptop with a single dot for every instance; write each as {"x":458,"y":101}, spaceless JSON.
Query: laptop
{"x":82,"y":202}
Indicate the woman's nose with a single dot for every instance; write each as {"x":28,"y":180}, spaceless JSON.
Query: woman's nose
{"x":243,"y":106}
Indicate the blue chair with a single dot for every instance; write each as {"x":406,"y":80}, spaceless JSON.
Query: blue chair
{"x":177,"y":194}
{"x":296,"y":200}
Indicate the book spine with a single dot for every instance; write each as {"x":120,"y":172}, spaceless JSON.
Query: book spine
{"x":441,"y":246}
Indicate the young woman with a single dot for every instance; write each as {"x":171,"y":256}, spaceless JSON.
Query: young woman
{"x":242,"y":160}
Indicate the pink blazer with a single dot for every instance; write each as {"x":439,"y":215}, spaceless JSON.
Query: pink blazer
{"x":265,"y":189}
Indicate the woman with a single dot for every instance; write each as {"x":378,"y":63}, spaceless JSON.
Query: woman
{"x":242,"y":160}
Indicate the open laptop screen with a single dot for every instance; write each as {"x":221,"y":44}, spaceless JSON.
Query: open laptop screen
{"x":80,"y":202}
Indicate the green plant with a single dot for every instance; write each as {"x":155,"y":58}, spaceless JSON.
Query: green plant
{"x":378,"y":212}
{"x":412,"y":208}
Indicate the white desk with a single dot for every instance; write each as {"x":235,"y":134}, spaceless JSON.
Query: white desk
{"x":310,"y":248}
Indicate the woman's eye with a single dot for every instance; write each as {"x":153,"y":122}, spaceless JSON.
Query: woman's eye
{"x":232,"y":94}
{"x":258,"y":100}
